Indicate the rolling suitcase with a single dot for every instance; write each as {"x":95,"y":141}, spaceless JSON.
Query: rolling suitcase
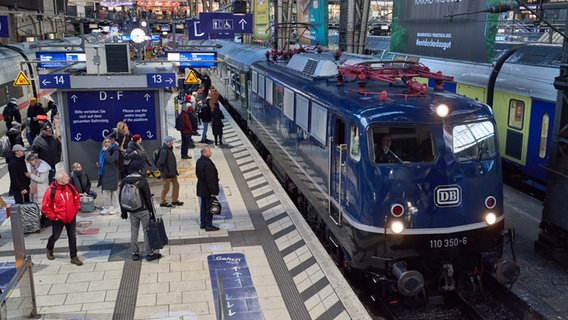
{"x":30,"y":214}
{"x":157,"y":234}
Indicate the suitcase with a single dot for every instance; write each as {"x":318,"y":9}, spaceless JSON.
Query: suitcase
{"x":87,"y":204}
{"x":157,"y":234}
{"x":30,"y":214}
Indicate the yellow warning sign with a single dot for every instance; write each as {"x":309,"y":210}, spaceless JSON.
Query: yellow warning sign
{"x":22,"y":80}
{"x":191,"y":78}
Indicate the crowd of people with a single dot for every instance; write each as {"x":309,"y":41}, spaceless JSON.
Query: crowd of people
{"x":122,"y":159}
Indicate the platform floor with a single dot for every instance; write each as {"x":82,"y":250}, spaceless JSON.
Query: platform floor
{"x":265,"y":256}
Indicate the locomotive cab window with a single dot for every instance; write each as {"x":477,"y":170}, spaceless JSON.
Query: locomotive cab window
{"x":474,"y":141}
{"x":354,"y":149}
{"x":401,"y":144}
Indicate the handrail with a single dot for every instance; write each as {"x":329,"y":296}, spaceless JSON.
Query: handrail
{"x":14,"y":282}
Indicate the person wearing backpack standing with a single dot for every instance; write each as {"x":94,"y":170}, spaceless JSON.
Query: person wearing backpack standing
{"x":167,"y":165}
{"x":108,"y":176}
{"x":61,"y":207}
{"x":140,"y":215}
{"x":186,"y":132}
{"x":11,"y":113}
{"x":205,"y":118}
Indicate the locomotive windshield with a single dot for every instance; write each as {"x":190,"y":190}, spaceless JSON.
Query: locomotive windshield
{"x":402,"y":144}
{"x":474,"y":141}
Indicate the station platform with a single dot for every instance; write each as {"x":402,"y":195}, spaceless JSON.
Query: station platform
{"x":265,"y":257}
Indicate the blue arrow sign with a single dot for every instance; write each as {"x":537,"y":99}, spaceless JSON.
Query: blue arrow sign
{"x":93,"y":114}
{"x":243,"y":23}
{"x":57,"y":81}
{"x":161,"y":80}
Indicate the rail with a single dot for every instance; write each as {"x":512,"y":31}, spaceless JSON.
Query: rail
{"x":24,"y":301}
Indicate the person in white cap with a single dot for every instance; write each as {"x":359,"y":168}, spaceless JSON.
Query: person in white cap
{"x":19,"y":175}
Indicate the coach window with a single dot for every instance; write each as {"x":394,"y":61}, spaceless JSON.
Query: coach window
{"x":544,"y":125}
{"x":278,"y":95}
{"x":253,"y":81}
{"x":269,"y":87}
{"x":261,"y":83}
{"x":474,"y":141}
{"x":354,"y":150}
{"x":516,"y":113}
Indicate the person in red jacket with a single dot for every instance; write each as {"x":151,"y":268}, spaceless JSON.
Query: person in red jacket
{"x":186,"y":133}
{"x":60,"y":204}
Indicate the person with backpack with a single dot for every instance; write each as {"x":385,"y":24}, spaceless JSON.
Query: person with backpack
{"x":60,"y":204}
{"x":135,"y":151}
{"x":205,"y":118}
{"x":166,"y":163}
{"x":186,"y":132}
{"x":109,"y":176}
{"x":15,"y":134}
{"x":136,"y":201}
{"x":11,"y":113}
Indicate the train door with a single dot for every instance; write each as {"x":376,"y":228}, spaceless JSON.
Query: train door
{"x":338,"y":155}
{"x":540,"y":131}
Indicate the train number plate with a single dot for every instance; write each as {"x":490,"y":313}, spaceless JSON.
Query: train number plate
{"x":448,"y":242}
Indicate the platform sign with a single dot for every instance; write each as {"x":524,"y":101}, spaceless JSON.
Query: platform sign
{"x":194,"y":30}
{"x":240,"y":295}
{"x":93,"y":114}
{"x":55,"y":81}
{"x":195,"y":59}
{"x":217,"y":22}
{"x":22,"y":80}
{"x":4,"y":27}
{"x":222,"y":23}
{"x":161,"y":80}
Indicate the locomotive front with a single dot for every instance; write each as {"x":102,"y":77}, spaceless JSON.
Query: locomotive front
{"x":427,"y":201}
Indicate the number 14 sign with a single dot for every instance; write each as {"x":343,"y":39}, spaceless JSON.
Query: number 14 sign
{"x":56,"y":81}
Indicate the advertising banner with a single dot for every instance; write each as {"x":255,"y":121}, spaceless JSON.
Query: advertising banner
{"x":261,"y":20}
{"x":315,"y":13}
{"x":452,"y":29}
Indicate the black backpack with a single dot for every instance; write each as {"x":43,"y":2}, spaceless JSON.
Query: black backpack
{"x":180,"y":126}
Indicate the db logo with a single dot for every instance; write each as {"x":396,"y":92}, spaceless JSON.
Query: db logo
{"x":447,"y":196}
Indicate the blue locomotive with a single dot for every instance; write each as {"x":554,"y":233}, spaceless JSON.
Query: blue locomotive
{"x":401,"y":182}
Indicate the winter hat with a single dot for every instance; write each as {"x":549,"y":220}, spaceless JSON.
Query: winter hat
{"x":135,"y":166}
{"x":18,"y":147}
{"x":168,"y":139}
{"x":33,"y":99}
{"x":13,"y":100}
{"x":47,"y":126}
{"x":16,"y":125}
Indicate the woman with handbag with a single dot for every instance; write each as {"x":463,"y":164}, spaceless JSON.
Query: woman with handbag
{"x":39,"y":176}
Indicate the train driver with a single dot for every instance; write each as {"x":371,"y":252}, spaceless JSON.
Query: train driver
{"x":383,"y":151}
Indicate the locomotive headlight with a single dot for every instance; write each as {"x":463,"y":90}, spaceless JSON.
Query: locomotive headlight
{"x":490,"y":218}
{"x":442,"y":110}
{"x":397,"y":226}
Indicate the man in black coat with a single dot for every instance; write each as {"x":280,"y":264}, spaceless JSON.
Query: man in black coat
{"x":47,"y":147}
{"x":207,"y":187}
{"x":19,"y":175}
